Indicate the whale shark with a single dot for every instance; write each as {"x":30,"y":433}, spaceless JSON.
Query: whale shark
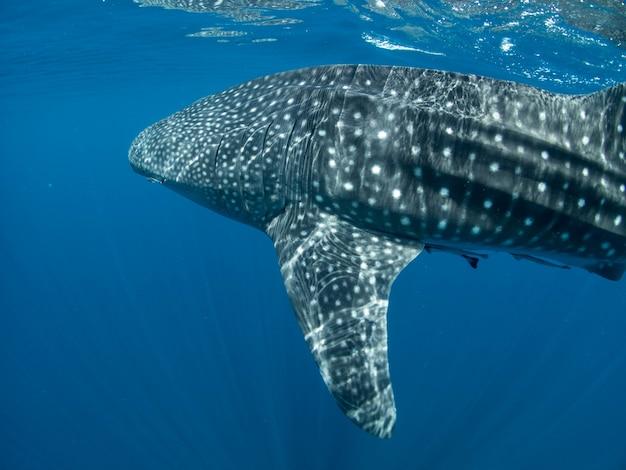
{"x":354,"y":170}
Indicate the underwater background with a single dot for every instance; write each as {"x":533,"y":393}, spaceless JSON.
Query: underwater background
{"x":138,"y":330}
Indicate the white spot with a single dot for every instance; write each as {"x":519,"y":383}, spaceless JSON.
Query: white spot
{"x":581,"y":202}
{"x":376,"y":169}
{"x":541,"y":187}
{"x":506,"y":45}
{"x":542,"y":116}
{"x":442,"y":224}
{"x":447,"y":152}
{"x":396,"y":193}
{"x":332,"y":163}
{"x":321,"y":132}
{"x":544,"y":155}
{"x":618,"y":220}
{"x":585,"y":172}
{"x":348,"y":186}
{"x":449,"y":130}
{"x":585,"y":140}
{"x":496,"y":115}
{"x":444,"y":192}
{"x":358,"y":132}
{"x":475,"y":230}
{"x":494,"y":167}
{"x":332,"y":150}
{"x":498,"y":138}
{"x":528,"y":221}
{"x":382,"y":135}
{"x":488,"y":204}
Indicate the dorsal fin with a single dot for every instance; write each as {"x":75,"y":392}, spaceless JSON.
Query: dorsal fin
{"x":611,"y":104}
{"x":338,"y":278}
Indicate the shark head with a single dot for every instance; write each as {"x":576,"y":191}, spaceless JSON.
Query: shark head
{"x":169,"y":153}
{"x":199,"y":154}
{"x":148,"y":156}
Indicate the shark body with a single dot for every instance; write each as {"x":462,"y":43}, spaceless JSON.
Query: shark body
{"x":354,"y":170}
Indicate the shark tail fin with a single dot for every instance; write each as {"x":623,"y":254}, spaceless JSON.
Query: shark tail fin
{"x":611,"y":105}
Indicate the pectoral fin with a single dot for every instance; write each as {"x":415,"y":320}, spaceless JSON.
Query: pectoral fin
{"x":338,"y":278}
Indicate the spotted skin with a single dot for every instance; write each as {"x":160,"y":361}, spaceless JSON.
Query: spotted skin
{"x":354,"y":170}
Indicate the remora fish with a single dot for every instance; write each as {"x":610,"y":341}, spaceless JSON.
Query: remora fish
{"x":353,"y":170}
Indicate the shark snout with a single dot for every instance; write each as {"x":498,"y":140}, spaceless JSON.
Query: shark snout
{"x":144,"y":156}
{"x":171,"y":152}
{"x":137,"y":151}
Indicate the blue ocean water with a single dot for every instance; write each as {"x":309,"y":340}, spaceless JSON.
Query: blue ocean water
{"x":138,"y":330}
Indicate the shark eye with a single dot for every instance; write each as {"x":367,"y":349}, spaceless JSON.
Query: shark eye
{"x":155,"y":180}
